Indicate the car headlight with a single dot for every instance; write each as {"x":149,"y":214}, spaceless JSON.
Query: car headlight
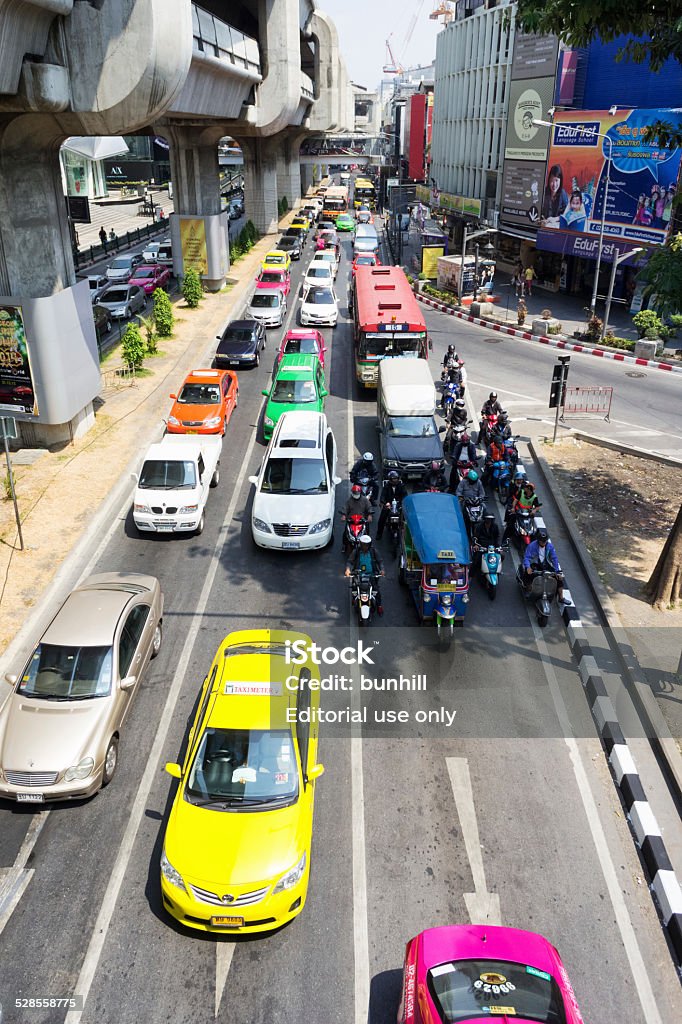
{"x":291,"y":878}
{"x":141,"y":508}
{"x":170,"y":874}
{"x":391,"y":463}
{"x":260,"y":525}
{"x":268,"y":422}
{"x":319,"y":527}
{"x":80,"y":770}
{"x":174,"y":420}
{"x":213,"y":421}
{"x":188,"y":508}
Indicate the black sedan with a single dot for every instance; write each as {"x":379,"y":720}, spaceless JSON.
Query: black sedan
{"x":293,"y":244}
{"x":240,"y":344}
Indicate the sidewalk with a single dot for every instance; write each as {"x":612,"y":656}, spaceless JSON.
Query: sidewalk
{"x":121,"y":215}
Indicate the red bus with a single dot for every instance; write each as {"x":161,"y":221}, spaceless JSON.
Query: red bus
{"x":387,"y":320}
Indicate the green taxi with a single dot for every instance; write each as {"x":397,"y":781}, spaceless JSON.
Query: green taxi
{"x":298,"y":385}
{"x":344,"y":222}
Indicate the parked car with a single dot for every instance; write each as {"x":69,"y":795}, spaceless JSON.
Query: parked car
{"x":102,"y":317}
{"x":122,"y":267}
{"x":204,"y":403}
{"x":97,"y":283}
{"x":270,"y":307}
{"x":274,"y":279}
{"x":291,"y":244}
{"x":319,"y":306}
{"x":306,"y":341}
{"x":151,"y":276}
{"x":61,"y":723}
{"x":293,"y":507}
{"x":122,"y":300}
{"x":151,"y":251}
{"x":173,"y":485}
{"x":165,"y":254}
{"x":298,"y":383}
{"x":240,"y":344}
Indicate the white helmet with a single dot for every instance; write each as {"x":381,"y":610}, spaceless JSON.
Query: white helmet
{"x":365,"y":539}
{"x":368,"y":457}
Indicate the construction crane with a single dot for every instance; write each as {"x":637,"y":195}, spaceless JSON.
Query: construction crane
{"x":392,"y":68}
{"x":443,"y":10}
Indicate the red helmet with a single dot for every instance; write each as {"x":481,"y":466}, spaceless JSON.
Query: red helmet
{"x":355,"y":491}
{"x":464,"y":438}
{"x":435,"y":465}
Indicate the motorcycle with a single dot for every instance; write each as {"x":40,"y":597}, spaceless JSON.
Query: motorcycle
{"x":474,"y":510}
{"x":363,"y":593}
{"x":450,"y":394}
{"x":511,"y":450}
{"x":524,"y":527}
{"x":366,"y":482}
{"x":487,"y":429}
{"x":500,"y":478}
{"x":393,"y":525}
{"x":356,"y":525}
{"x":491,"y":567}
{"x":454,"y":434}
{"x":541,"y":590}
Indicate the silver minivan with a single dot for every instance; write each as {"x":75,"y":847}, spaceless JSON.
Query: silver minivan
{"x":365,"y":238}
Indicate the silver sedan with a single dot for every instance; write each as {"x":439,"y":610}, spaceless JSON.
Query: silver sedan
{"x":122,"y":300}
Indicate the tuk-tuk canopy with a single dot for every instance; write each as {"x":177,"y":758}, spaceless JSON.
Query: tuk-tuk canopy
{"x":437,"y":528}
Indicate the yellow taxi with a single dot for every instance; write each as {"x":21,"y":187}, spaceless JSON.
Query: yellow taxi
{"x":301,"y":222}
{"x":236,"y":853}
{"x":276,"y":259}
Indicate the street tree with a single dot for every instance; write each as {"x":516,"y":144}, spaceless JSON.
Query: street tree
{"x":658,"y":26}
{"x":132,"y":347}
{"x":662,"y":277}
{"x":163,"y":313}
{"x":664,"y":586}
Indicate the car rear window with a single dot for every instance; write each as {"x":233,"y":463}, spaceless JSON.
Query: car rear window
{"x":468,"y":990}
{"x":115,"y":295}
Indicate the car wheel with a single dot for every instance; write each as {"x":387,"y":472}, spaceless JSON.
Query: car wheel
{"x":128,"y":313}
{"x":215,"y":479}
{"x":156,"y":639}
{"x":107,"y":326}
{"x":236,"y":399}
{"x":257,"y":358}
{"x":110,"y":761}
{"x":200,"y":526}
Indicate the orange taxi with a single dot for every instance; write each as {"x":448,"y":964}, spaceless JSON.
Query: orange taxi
{"x":204,"y":403}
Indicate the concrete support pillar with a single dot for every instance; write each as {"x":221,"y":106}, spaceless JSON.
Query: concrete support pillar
{"x":289,"y":166}
{"x":260,"y":183}
{"x":199,"y":229}
{"x":306,"y":178}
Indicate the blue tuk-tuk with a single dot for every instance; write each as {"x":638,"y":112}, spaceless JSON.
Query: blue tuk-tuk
{"x":435,"y":558}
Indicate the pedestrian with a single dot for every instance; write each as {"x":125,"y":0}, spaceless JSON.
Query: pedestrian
{"x":103,"y":237}
{"x":112,"y":235}
{"x":529,"y":276}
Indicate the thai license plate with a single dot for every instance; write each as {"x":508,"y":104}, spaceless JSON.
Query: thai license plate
{"x":191,"y":431}
{"x":227,"y":922}
{"x":30,"y":798}
{"x":290,"y":544}
{"x":165,"y":527}
{"x":233,"y":362}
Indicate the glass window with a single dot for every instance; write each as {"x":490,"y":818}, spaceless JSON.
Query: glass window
{"x":265,"y":301}
{"x":134,"y":627}
{"x":240,"y":767}
{"x":237,"y":334}
{"x":479,"y":989}
{"x":115,"y":295}
{"x":303,"y":728}
{"x":293,"y":391}
{"x":411,"y":426}
{"x":167,"y":475}
{"x":57,"y":672}
{"x":294,"y":476}
{"x":319,"y":297}
{"x":199,"y":394}
{"x":121,"y":263}
{"x":445,"y":573}
{"x":301,"y":346}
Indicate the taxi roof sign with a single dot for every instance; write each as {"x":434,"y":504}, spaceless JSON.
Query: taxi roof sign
{"x":251,"y":688}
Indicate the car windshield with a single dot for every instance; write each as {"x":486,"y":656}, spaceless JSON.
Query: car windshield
{"x":320,"y":297}
{"x":168,"y":475}
{"x":122,"y":263}
{"x":237,"y":334}
{"x":199,"y":394}
{"x":301,"y":346}
{"x":265,"y":301}
{"x":294,"y":476}
{"x":411,"y":426}
{"x":288,"y":242}
{"x":57,"y":672}
{"x":243,"y":768}
{"x":271,"y":258}
{"x":115,"y":295}
{"x":469,"y":990}
{"x":319,"y":272}
{"x":288,"y":391}
{"x":142,"y":272}
{"x":271,"y":278}
{"x":445,"y":573}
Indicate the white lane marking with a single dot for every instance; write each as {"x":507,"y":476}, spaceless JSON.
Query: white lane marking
{"x":483,"y":907}
{"x":528,"y":400}
{"x":224,"y":951}
{"x":14,"y":880}
{"x":360,"y":914}
{"x":106,"y":912}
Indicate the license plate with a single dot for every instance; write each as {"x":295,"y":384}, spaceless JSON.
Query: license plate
{"x":290,"y":544}
{"x":165,"y":528}
{"x":233,"y":362}
{"x":191,"y":431}
{"x":30,"y":798}
{"x":227,"y":922}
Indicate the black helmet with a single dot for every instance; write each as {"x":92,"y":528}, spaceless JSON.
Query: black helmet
{"x":451,"y":348}
{"x":393,"y":475}
{"x":488,"y":518}
{"x":493,"y":394}
{"x":542,"y":534}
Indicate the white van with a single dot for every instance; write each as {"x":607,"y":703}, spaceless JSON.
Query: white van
{"x":409,"y":438}
{"x":365,"y":239}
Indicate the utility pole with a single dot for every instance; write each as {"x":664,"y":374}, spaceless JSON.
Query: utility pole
{"x":557,"y":392}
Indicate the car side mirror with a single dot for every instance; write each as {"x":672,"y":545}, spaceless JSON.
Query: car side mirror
{"x":174,"y":770}
{"x":10,"y":678}
{"x":128,"y":683}
{"x":441,"y":430}
{"x":315,"y":772}
{"x":264,"y":392}
{"x":336,"y":480}
{"x":252,"y":479}
{"x":134,"y":476}
{"x":323,"y":392}
{"x":173,"y":396}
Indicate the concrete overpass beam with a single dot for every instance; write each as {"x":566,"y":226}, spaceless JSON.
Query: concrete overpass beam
{"x":279,"y":94}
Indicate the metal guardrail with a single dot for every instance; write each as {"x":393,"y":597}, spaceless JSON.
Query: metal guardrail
{"x":116,"y":379}
{"x":93,"y":253}
{"x":594,"y":401}
{"x":218,"y":39}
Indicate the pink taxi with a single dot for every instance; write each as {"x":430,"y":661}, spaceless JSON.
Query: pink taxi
{"x":274,"y":279}
{"x":464,"y":973}
{"x":305,"y":341}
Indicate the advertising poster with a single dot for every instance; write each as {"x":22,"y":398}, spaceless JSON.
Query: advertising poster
{"x":643,"y":176}
{"x":16,"y":382}
{"x":193,"y":244}
{"x":522,"y":185}
{"x":430,"y":254}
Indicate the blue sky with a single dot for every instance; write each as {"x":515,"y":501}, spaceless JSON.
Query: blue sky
{"x":363,"y":26}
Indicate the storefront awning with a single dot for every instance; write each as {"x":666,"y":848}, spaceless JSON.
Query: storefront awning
{"x":96,"y":148}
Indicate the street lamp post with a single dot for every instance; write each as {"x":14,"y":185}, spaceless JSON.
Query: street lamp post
{"x":617,"y":261}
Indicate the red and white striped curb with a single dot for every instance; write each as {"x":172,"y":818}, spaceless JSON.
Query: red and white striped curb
{"x":619,"y":357}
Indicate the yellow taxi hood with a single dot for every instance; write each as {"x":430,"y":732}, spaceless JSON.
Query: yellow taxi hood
{"x":222,"y":848}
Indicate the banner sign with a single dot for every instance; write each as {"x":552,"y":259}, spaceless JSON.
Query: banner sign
{"x":16,"y":382}
{"x":193,"y":244}
{"x":522,"y":184}
{"x":577,"y":244}
{"x":430,"y":254}
{"x":643,"y":176}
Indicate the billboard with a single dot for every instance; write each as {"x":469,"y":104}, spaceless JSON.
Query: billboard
{"x":528,"y":102}
{"x":193,"y":244}
{"x":643,"y":176}
{"x":534,"y":56}
{"x":16,"y":382}
{"x":522,"y":185}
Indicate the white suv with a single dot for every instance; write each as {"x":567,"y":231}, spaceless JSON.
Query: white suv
{"x":293,"y":508}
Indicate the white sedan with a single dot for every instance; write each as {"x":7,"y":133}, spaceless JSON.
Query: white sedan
{"x":319,"y":306}
{"x":293,"y":507}
{"x":319,"y":273}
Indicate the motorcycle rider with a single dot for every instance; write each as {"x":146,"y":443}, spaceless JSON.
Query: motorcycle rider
{"x":366,"y":559}
{"x":393,"y":490}
{"x":519,"y":480}
{"x":526,"y":500}
{"x":434,"y":477}
{"x":486,"y":533}
{"x":366,"y":465}
{"x":491,"y":407}
{"x":540,"y":554}
{"x":450,"y":358}
{"x":464,"y":449}
{"x":496,"y":453}
{"x":504,"y":426}
{"x":357,"y":505}
{"x":470,"y":489}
